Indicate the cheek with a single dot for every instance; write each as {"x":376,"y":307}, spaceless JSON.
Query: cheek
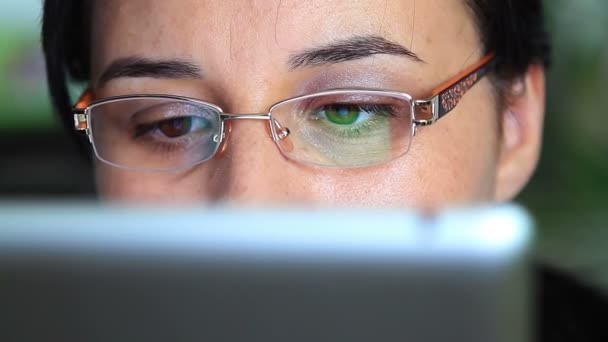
{"x":417,"y":180}
{"x":457,"y":159}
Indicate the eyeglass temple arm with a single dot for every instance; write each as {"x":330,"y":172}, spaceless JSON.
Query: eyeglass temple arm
{"x":80,"y":119}
{"x":447,"y":96}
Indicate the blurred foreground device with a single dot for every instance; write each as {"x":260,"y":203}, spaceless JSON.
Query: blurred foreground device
{"x":78,"y":273}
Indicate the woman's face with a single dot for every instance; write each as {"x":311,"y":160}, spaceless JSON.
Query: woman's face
{"x":243,"y":50}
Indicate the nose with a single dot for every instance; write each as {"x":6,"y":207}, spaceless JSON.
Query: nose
{"x":253,"y":171}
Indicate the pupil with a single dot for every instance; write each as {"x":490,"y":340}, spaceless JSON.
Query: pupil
{"x":177,"y":127}
{"x":342,"y":114}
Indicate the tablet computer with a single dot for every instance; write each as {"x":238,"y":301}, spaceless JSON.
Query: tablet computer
{"x":125,"y":273}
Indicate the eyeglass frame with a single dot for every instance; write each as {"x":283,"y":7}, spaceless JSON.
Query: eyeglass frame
{"x":442,"y":101}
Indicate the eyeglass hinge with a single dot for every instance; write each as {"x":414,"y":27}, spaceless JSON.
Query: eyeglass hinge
{"x":426,"y":111}
{"x":81,"y":122}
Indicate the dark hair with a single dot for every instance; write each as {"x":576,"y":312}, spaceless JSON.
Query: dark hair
{"x":514,"y":29}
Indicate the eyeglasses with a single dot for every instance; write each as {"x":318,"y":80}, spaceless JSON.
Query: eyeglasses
{"x":342,"y":128}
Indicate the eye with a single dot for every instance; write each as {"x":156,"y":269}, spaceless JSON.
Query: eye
{"x":176,"y":127}
{"x":342,"y":114}
{"x":349,"y":114}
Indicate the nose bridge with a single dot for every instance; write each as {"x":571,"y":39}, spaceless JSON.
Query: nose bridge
{"x":253,"y":169}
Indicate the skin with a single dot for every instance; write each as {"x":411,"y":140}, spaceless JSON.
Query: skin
{"x":477,"y":153}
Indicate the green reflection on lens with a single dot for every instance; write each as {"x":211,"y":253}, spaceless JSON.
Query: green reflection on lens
{"x":342,"y":114}
{"x":349,"y":135}
{"x":353,"y":121}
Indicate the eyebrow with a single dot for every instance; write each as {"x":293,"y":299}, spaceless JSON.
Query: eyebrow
{"x":344,"y":50}
{"x":144,"y":67}
{"x":347,"y":50}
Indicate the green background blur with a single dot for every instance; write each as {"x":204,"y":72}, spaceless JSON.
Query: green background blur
{"x":568,"y":195}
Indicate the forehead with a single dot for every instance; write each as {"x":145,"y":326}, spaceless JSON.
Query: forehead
{"x":284,"y":20}
{"x":269,"y":30}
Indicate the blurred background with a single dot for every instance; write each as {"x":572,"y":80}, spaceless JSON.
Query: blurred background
{"x":568,"y":195}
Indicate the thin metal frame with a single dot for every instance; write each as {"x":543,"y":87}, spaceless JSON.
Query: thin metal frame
{"x":424,"y":112}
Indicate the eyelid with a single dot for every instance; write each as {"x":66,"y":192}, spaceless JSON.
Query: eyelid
{"x":161,"y":113}
{"x":356,"y":99}
{"x":370,"y":77}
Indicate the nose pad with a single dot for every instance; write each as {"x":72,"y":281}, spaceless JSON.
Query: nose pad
{"x":281,"y":135}
{"x":225,"y":138}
